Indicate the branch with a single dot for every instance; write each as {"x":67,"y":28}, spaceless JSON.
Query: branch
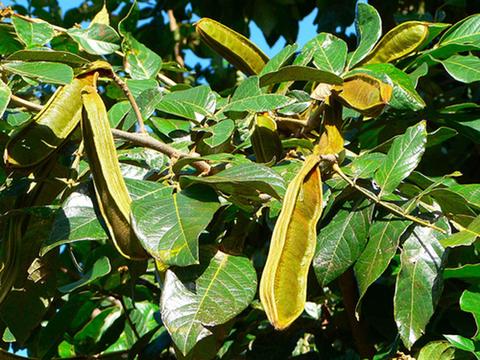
{"x":132,"y":101}
{"x":174,"y":29}
{"x":386,"y":205}
{"x":141,"y":139}
{"x":146,"y":140}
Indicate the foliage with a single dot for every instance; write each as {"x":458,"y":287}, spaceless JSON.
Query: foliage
{"x":325,"y":204}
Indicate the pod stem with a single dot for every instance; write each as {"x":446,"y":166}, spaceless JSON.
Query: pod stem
{"x":132,"y":101}
{"x":386,"y":205}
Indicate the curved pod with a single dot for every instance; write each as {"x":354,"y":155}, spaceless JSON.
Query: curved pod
{"x":283,"y":287}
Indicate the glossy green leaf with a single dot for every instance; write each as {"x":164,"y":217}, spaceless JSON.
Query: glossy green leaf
{"x":464,"y":68}
{"x":5,"y":94}
{"x":32,"y":34}
{"x":419,"y":282}
{"x":76,"y":221}
{"x":220,"y":133}
{"x":438,"y":350}
{"x":98,"y":39}
{"x":384,"y":238}
{"x":466,"y":31}
{"x":470,"y":192}
{"x":193,"y":104}
{"x":469,"y":271}
{"x":368,"y":27}
{"x":402,"y":158}
{"x":329,"y":52}
{"x":224,"y":289}
{"x":249,"y":97}
{"x":464,"y":237}
{"x":276,"y":62}
{"x":10,"y":42}
{"x":49,"y":72}
{"x":461,"y":342}
{"x":404,"y":96}
{"x":100,"y":268}
{"x":299,"y":73}
{"x":341,"y":241}
{"x":169,"y":224}
{"x":46,"y":54}
{"x":399,"y":42}
{"x":141,"y":62}
{"x":117,"y":113}
{"x":470,"y":302}
{"x":440,"y":135}
{"x":363,"y":166}
{"x":247,"y":180}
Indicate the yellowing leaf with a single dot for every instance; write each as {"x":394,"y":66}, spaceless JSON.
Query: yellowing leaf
{"x":265,"y":140}
{"x":283,"y":287}
{"x":234,"y":47}
{"x":101,"y":17}
{"x":112,"y":194}
{"x":364,"y":94}
{"x":399,"y":42}
{"x":331,"y":141}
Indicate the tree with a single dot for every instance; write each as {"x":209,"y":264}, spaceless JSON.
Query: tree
{"x":321,"y":203}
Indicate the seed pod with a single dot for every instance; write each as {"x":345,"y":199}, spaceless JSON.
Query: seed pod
{"x":234,"y":47}
{"x":364,"y":93}
{"x":265,"y":140}
{"x":399,"y":42}
{"x":37,"y":140}
{"x":283,"y":287}
{"x":112,"y":194}
{"x":331,"y":140}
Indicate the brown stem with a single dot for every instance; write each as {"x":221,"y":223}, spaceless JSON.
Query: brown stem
{"x":175,"y":30}
{"x":25,"y":103}
{"x":348,"y":288}
{"x":132,"y":101}
{"x":152,"y":143}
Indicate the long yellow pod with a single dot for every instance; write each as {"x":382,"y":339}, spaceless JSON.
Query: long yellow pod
{"x":112,"y":194}
{"x":283,"y":287}
{"x":398,"y":42}
{"x":37,"y":140}
{"x":234,"y":47}
{"x":364,"y":93}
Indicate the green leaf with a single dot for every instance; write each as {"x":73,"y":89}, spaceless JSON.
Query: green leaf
{"x":117,"y":112}
{"x":438,"y":350}
{"x":141,"y":62}
{"x":329,"y":52}
{"x":470,"y":302}
{"x":363,"y":166}
{"x":33,"y":34}
{"x":466,"y":31}
{"x":147,"y":100}
{"x":49,"y":72}
{"x":470,"y":192}
{"x":9,"y":43}
{"x":76,"y":221}
{"x":169,"y":224}
{"x":299,"y":73}
{"x":220,"y":133}
{"x":98,"y":39}
{"x":440,"y":135}
{"x":465,"y":237}
{"x":48,"y":55}
{"x":463,"y":68}
{"x":461,"y":342}
{"x":419,"y":72}
{"x":100,"y":268}
{"x":384,"y":237}
{"x":5,"y":94}
{"x":404,"y":96}
{"x":469,"y":271}
{"x":419,"y":282}
{"x":242,"y":180}
{"x":279,"y":60}
{"x":223,"y":290}
{"x":193,"y":104}
{"x":402,"y":158}
{"x":369,"y":29}
{"x":341,"y":241}
{"x":249,"y":97}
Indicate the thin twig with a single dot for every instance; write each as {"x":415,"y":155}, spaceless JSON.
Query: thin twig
{"x":386,"y":205}
{"x":139,"y":139}
{"x":129,"y":320}
{"x":165,"y":79}
{"x":132,"y":101}
{"x":152,"y":143}
{"x":288,"y":120}
{"x":175,"y":30}
{"x":25,"y":103}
